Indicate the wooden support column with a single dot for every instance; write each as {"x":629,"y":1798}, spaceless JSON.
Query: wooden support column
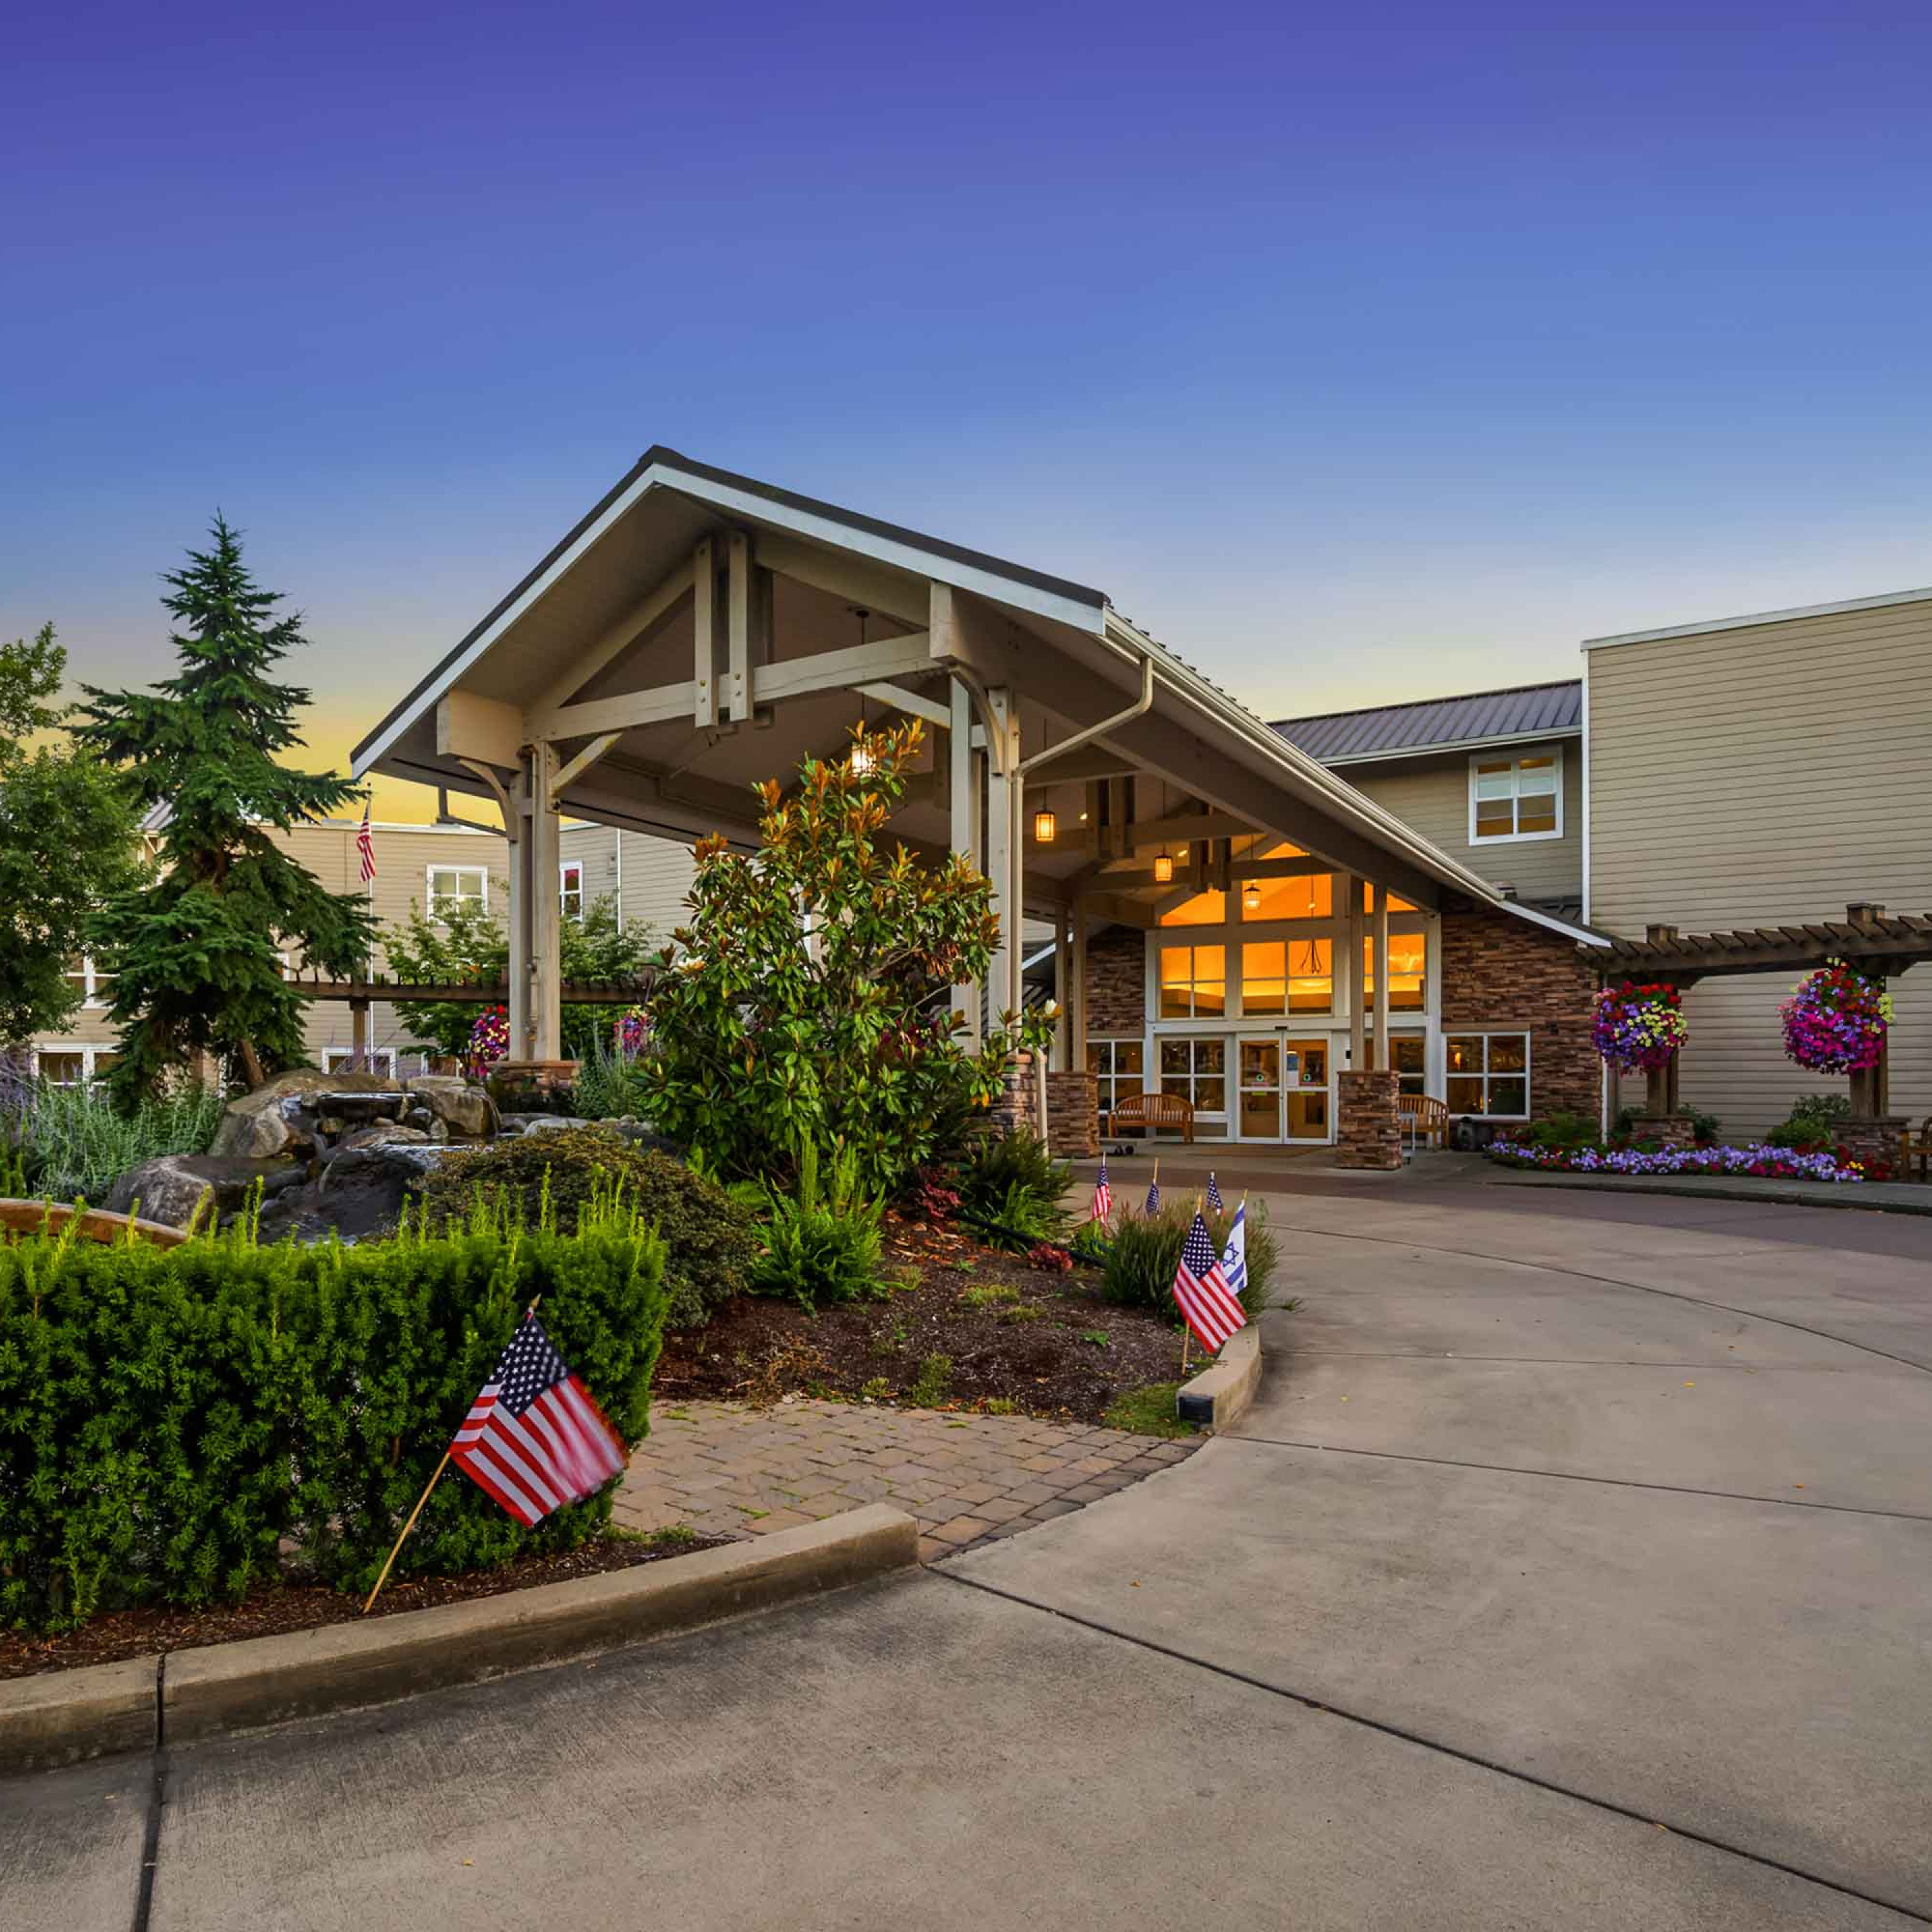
{"x":704,"y":634}
{"x":965,"y":805}
{"x":999,"y":860}
{"x":546,"y":968}
{"x":1062,"y":990}
{"x":1351,"y":929}
{"x":358,"y":1033}
{"x":516,"y":828}
{"x":1076,"y":1051}
{"x":1384,"y":1052}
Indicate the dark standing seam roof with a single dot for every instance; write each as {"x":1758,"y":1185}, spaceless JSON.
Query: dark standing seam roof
{"x":1337,"y":737}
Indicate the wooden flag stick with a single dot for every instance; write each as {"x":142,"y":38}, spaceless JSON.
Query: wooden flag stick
{"x":410,"y":1524}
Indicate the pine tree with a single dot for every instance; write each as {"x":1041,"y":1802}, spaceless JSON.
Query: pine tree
{"x":196,"y":948}
{"x":66,"y":841}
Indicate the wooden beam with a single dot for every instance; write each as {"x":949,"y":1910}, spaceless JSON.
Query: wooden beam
{"x":1157,"y":831}
{"x":468,"y":727}
{"x":617,"y":639}
{"x":704,"y":634}
{"x":884,"y":657}
{"x":584,"y":759}
{"x":1105,"y":907}
{"x":837,"y":573}
{"x":1127,"y":873}
{"x":662,"y":704}
{"x":911,"y":702}
{"x":737,"y":696}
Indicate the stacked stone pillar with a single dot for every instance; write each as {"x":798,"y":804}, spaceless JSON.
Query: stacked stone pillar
{"x":1368,"y":1131}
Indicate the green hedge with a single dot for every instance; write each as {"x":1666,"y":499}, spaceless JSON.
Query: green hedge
{"x":169,"y":1416}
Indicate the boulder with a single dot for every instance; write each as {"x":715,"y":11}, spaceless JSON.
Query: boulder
{"x":380,"y":1133}
{"x":360,"y":1192}
{"x":262,"y":1124}
{"x":170,"y":1187}
{"x":550,"y":1123}
{"x":465,"y":1110}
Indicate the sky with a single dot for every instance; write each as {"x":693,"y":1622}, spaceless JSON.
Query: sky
{"x":1359,"y":353}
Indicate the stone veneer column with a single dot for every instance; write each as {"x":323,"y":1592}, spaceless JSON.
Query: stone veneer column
{"x":1368,"y":1131}
{"x":1013,"y":1108}
{"x":1670,"y":1130}
{"x":1873,"y":1139}
{"x":1073,"y":1115}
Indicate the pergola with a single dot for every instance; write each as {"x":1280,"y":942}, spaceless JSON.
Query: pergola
{"x":698,"y":632}
{"x":1885,"y":946}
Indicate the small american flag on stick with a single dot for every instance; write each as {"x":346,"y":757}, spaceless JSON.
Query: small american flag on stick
{"x":533,"y":1438}
{"x":1103,"y":1193}
{"x":1214,"y":1200}
{"x":365,"y":847}
{"x":1208,"y":1306}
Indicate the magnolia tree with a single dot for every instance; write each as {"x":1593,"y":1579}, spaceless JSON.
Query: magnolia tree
{"x":806,"y":1002}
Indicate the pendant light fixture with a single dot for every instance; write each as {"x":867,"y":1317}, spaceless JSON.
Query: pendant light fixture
{"x":1163,"y":869}
{"x":863,"y":757}
{"x":1251,"y":896}
{"x":1045,"y":826}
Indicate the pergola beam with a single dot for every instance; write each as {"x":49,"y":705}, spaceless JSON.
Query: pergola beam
{"x":617,"y":639}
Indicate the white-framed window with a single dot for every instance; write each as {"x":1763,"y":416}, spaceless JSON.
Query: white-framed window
{"x":1488,"y":1074}
{"x":1516,"y":798}
{"x":345,"y":1060}
{"x":70,"y":1066}
{"x":1408,"y":972}
{"x":1119,"y":1067}
{"x":570,"y":889}
{"x":1197,"y":1070}
{"x":94,"y":987}
{"x":1193,"y":982}
{"x":450,"y":886}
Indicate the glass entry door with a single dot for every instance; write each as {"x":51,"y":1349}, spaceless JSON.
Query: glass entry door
{"x":1283,"y":1089}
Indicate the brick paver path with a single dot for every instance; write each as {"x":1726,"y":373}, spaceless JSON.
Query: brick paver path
{"x":727,"y":1469}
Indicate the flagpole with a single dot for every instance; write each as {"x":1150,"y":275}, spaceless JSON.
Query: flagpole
{"x":410,"y":1524}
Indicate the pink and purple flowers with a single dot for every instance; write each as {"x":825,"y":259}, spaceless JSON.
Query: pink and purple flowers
{"x":628,"y":1031}
{"x":1761,"y":1161}
{"x":1639,"y":1028}
{"x":489,"y":1040}
{"x":1835,"y":1021}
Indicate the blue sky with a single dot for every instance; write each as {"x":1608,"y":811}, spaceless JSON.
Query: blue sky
{"x":1357,"y":353}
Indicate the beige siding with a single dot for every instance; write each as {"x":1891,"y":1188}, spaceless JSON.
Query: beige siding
{"x":1432,"y":796}
{"x":1764,"y":776}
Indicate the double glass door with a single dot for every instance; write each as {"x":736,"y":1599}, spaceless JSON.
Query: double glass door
{"x":1283,"y":1089}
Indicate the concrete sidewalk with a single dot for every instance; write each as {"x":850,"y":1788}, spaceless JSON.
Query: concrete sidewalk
{"x":1571,"y":1572}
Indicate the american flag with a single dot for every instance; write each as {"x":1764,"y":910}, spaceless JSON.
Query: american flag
{"x":1214,"y":1200}
{"x":533,"y":1439}
{"x":1153,"y":1206}
{"x":1103,"y":1193}
{"x":1202,"y":1293}
{"x":365,"y":847}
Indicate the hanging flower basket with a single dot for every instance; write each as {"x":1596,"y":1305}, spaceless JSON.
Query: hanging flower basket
{"x":489,"y":1040}
{"x":1836,"y":1019}
{"x":1639,"y":1029}
{"x":628,"y":1032}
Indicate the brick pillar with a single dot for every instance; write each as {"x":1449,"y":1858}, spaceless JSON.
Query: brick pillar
{"x":1073,"y":1115}
{"x":1873,"y":1139}
{"x":1369,"y":1129}
{"x":1013,"y":1106}
{"x":1670,"y":1130}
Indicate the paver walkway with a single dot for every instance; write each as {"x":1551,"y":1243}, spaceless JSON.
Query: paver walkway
{"x":729,"y":1470}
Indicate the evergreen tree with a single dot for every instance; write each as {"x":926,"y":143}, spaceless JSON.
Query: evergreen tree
{"x":66,"y":841}
{"x":196,"y":948}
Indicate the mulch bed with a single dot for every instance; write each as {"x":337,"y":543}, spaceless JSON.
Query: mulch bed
{"x":759,"y":1350}
{"x":272,"y":1609}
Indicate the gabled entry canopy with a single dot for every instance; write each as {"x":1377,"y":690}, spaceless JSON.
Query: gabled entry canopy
{"x":698,"y":632}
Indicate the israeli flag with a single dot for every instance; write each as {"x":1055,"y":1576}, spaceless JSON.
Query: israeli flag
{"x":1235,"y":1255}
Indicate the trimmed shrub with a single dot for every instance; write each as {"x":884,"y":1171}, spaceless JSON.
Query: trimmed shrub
{"x":1010,"y":1190}
{"x":1144,"y":1252}
{"x":710,"y":1240}
{"x":168,"y":1416}
{"x":1813,"y":1122}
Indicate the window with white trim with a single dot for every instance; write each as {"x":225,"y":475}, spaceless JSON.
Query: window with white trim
{"x":1119,"y":1068}
{"x":451,"y":886}
{"x":380,"y":1060}
{"x":94,"y":987}
{"x":1516,"y":798}
{"x":570,"y":889}
{"x":1197,"y":1069}
{"x":1193,"y":982}
{"x":1489,"y":1074}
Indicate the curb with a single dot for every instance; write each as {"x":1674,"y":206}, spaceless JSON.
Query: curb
{"x":194,"y":1694}
{"x":1821,"y":1194}
{"x":1218,"y":1395}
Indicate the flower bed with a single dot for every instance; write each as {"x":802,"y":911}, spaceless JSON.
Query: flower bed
{"x":1836,"y":1019}
{"x":1758,"y":1160}
{"x":1639,"y":1029}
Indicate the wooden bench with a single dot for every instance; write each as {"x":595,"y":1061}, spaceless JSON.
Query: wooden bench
{"x":1426,"y":1118}
{"x":90,"y":1224}
{"x":1154,"y":1112}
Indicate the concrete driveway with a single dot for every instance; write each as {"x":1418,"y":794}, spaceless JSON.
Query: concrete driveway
{"x":1574,"y":1569}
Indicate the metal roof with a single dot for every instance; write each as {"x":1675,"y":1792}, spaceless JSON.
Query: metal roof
{"x":1483,"y":717}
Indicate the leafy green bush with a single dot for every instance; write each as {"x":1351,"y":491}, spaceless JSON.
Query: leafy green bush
{"x":1010,"y":1189}
{"x":609,"y":1085}
{"x":1561,"y":1130}
{"x":1144,"y":1252}
{"x":74,"y":1146}
{"x":710,"y":1238}
{"x":168,"y":1416}
{"x":1814,"y":1119}
{"x":822,"y":1247}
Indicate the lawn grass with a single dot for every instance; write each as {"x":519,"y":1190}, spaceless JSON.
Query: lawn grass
{"x":1148,"y":1411}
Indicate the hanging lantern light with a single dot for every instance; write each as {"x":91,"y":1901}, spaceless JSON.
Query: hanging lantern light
{"x":863,"y":756}
{"x":862,"y":759}
{"x":1045,"y":826}
{"x":1251,"y":896}
{"x":1163,"y":869}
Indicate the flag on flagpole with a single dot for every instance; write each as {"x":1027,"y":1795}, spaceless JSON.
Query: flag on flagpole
{"x":1153,"y":1204}
{"x":1235,"y":1255}
{"x":1103,"y":1194}
{"x":1214,"y":1200}
{"x":1200,"y":1291}
{"x":365,"y":847}
{"x":533,"y":1438}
